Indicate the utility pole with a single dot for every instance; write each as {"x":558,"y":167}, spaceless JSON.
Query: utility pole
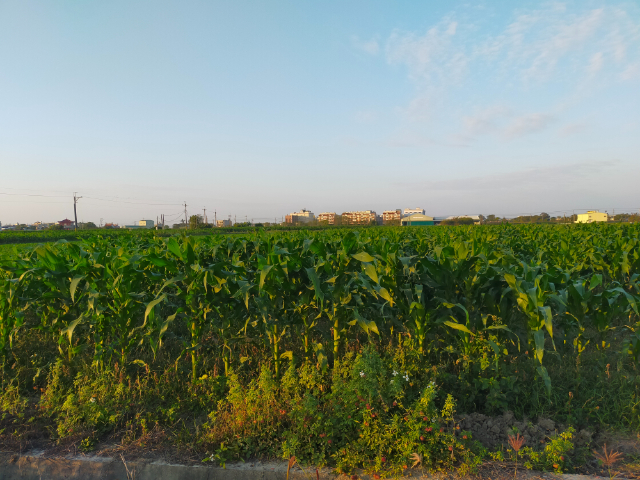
{"x":186,"y":223}
{"x":204,"y":217}
{"x":215,"y":218}
{"x":75,"y":212}
{"x":163,"y":221}
{"x":235,"y":219}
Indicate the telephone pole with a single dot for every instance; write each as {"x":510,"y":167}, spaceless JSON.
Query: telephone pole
{"x":215,"y":218}
{"x":186,"y":223}
{"x":75,"y":212}
{"x":204,"y":217}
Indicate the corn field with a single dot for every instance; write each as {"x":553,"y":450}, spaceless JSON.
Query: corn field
{"x":454,"y":292}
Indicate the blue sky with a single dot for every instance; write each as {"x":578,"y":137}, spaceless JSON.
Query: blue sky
{"x":258,"y":109}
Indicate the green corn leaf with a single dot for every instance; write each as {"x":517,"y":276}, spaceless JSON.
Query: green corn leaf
{"x":545,"y":378}
{"x":173,"y":247}
{"x":74,"y":286}
{"x":538,"y":337}
{"x":548,"y":319}
{"x":363,"y":257}
{"x":313,"y":276}
{"x":263,"y":275}
{"x":68,"y":331}
{"x":152,"y":304}
{"x":457,"y":326}
{"x":370,"y":270}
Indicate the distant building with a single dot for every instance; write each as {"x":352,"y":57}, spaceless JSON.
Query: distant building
{"x":328,"y":217}
{"x":303,"y":216}
{"x":391,"y":216}
{"x":363,"y":217}
{"x":477,"y":220}
{"x":417,"y":219}
{"x":411,"y":211}
{"x":592,"y":216}
{"x":66,"y":223}
{"x":224,"y":223}
{"x":142,"y":224}
{"x":111,"y":225}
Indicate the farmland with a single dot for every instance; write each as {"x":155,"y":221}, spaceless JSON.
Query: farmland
{"x":350,"y":347}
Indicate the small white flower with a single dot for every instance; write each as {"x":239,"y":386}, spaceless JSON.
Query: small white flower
{"x":395,"y":373}
{"x":391,"y":381}
{"x":93,"y":400}
{"x":362,"y":374}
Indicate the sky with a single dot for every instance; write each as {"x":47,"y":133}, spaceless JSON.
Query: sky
{"x":256,"y":109}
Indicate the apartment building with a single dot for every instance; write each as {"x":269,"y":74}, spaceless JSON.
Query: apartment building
{"x":328,"y":217}
{"x":391,"y":216}
{"x":224,"y":223}
{"x":592,"y":216}
{"x":363,"y":217}
{"x":303,"y":216}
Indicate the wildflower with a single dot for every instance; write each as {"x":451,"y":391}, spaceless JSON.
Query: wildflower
{"x":329,"y":441}
{"x":383,"y":459}
{"x":464,"y":437}
{"x":450,"y":448}
{"x":395,"y":373}
{"x":362,"y":374}
{"x":93,"y":400}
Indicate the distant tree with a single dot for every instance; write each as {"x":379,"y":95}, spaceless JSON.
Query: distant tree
{"x":458,"y":221}
{"x":195,"y":221}
{"x":545,"y":217}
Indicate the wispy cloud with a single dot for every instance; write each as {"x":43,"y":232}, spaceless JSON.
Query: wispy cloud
{"x":432,"y":57}
{"x":553,"y":43}
{"x":572,"y":129}
{"x":371,"y":46}
{"x":366,"y":116}
{"x":527,"y":124}
{"x":531,"y":177}
{"x":485,"y":121}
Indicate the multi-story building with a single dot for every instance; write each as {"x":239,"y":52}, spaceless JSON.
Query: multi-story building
{"x":224,"y":223}
{"x":303,"y":216}
{"x":392,"y":216}
{"x":411,"y":211}
{"x":364,"y":217}
{"x":328,"y":217}
{"x":592,"y":216}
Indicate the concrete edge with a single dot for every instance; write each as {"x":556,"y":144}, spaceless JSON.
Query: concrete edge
{"x":38,"y":467}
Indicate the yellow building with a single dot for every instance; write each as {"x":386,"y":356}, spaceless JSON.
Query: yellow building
{"x":592,"y":216}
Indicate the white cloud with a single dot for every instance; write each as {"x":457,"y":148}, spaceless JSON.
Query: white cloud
{"x":595,"y":64}
{"x":432,"y":57}
{"x":526,"y":178}
{"x":572,"y":129}
{"x":366,"y":116}
{"x":527,"y":124}
{"x":547,"y":44}
{"x":485,"y":121}
{"x":372,"y":47}
{"x":632,"y":72}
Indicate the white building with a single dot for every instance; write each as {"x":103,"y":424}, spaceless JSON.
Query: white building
{"x":412,"y":211}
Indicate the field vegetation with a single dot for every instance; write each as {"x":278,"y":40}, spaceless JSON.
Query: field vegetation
{"x":356,"y":348}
